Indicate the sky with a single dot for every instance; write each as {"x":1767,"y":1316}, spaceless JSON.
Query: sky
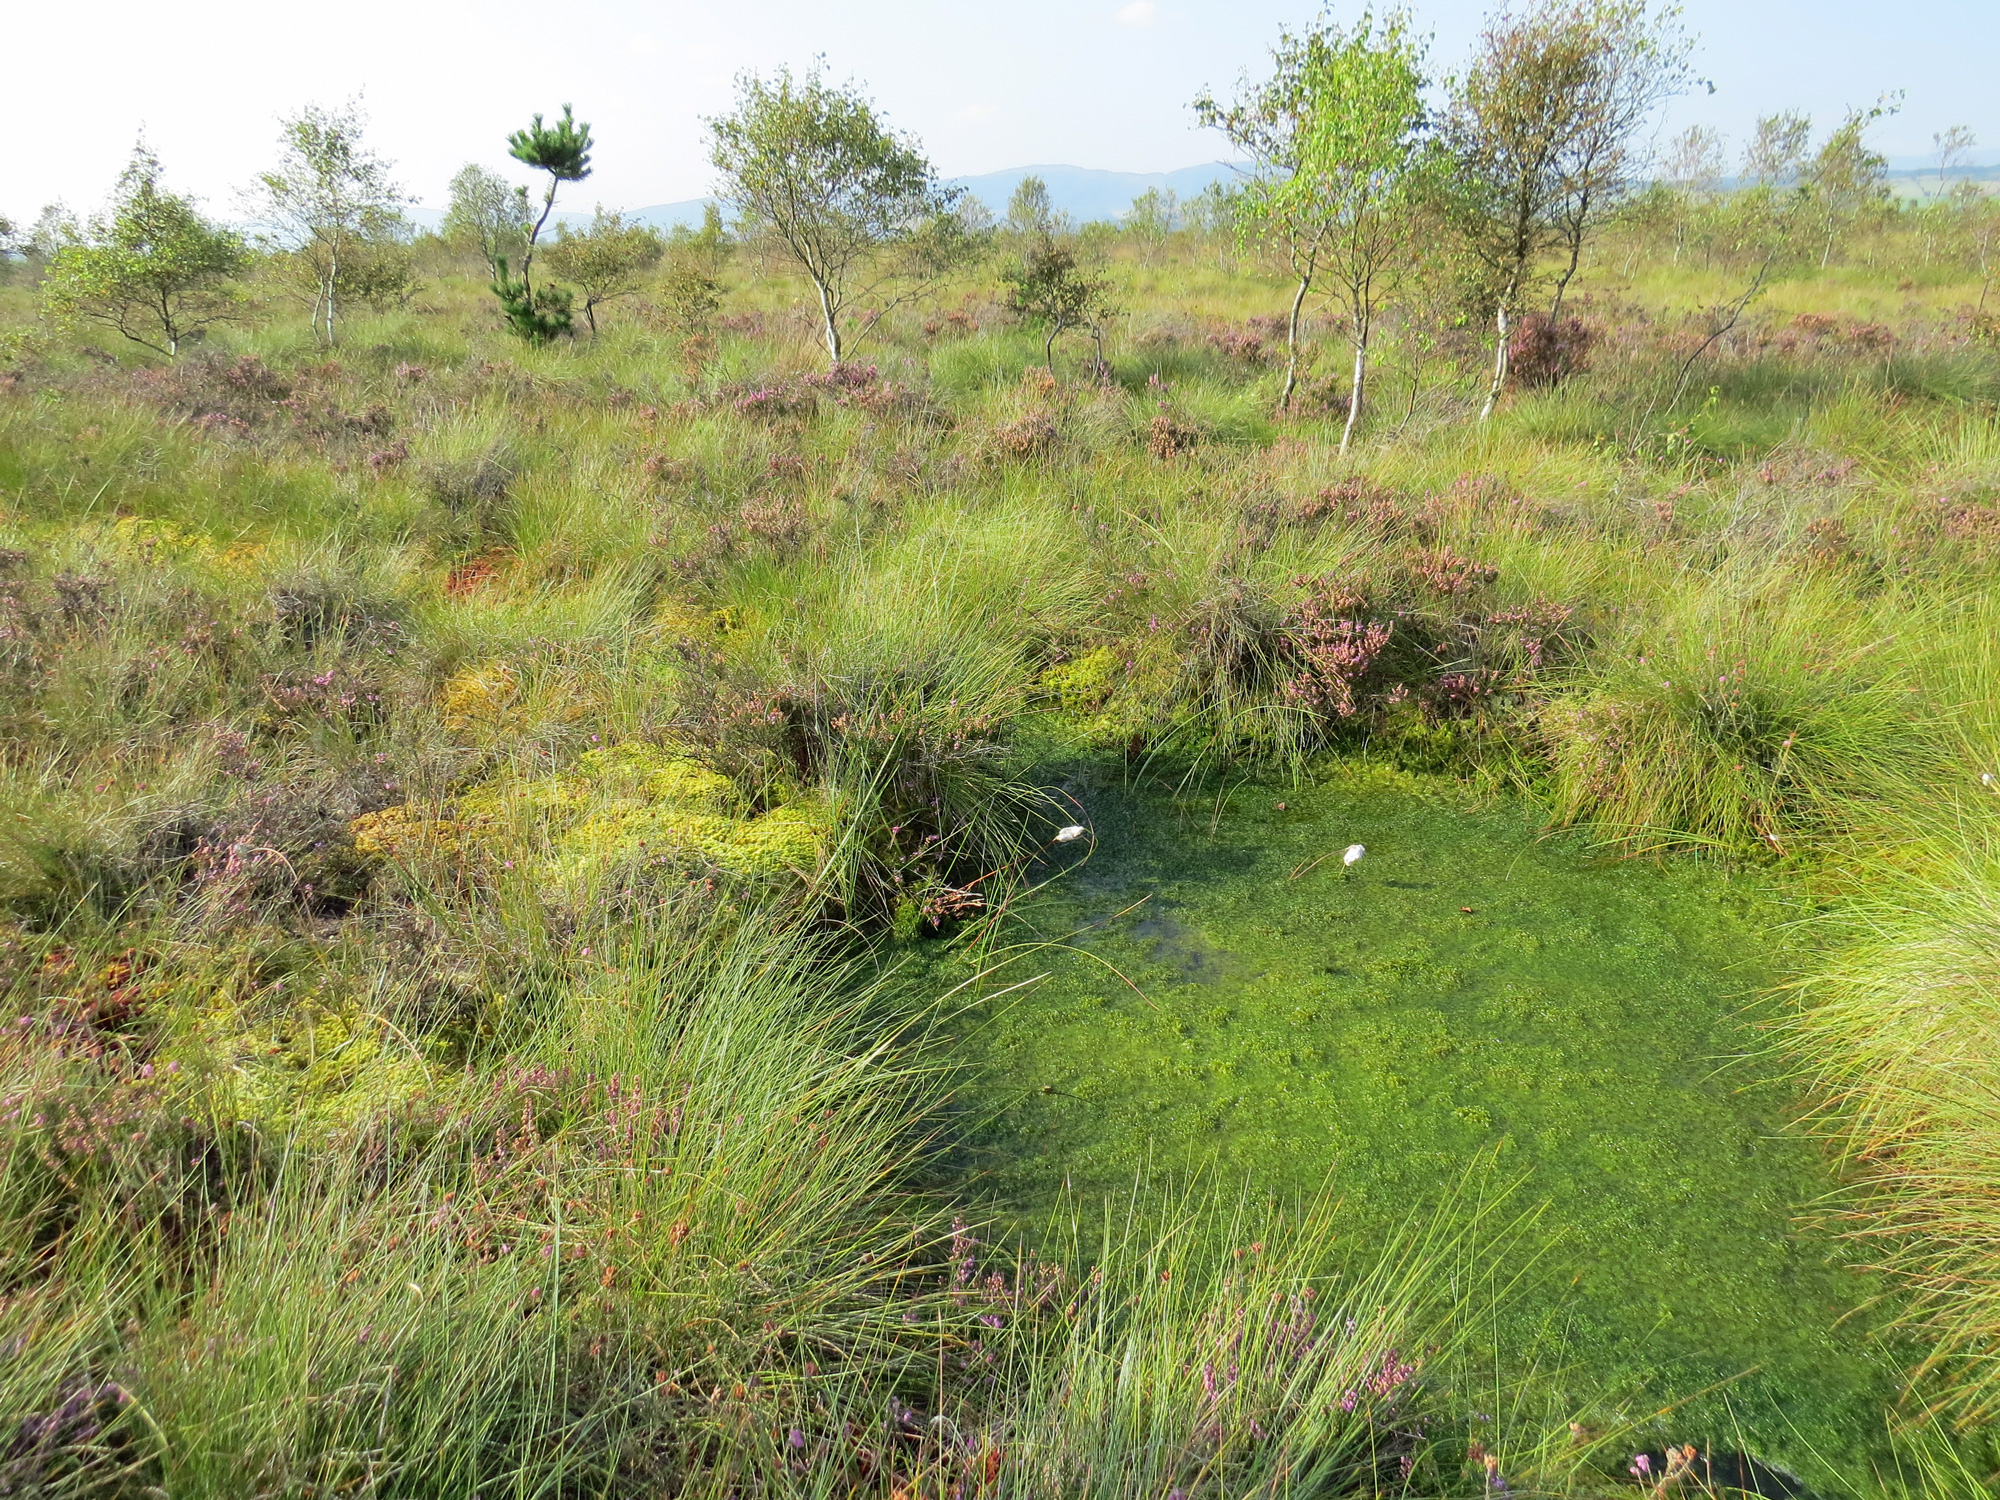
{"x":1092,"y":83}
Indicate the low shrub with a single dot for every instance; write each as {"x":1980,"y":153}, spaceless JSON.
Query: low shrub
{"x":1542,"y":354}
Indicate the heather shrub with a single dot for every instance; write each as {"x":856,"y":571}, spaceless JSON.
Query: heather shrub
{"x":1542,"y":354}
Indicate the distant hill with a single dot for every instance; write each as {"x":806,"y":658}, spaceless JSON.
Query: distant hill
{"x":671,"y":215}
{"x":1087,"y":193}
{"x":660,"y":216}
{"x":1982,"y":161}
{"x":1922,"y":182}
{"x":1093,"y":193}
{"x":1084,"y":193}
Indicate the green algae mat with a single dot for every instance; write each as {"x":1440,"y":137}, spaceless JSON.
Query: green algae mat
{"x":1222,"y":993}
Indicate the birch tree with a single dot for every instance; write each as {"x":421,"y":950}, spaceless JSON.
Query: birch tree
{"x":1268,"y":123}
{"x":1054,"y":286}
{"x":1637,"y":61}
{"x":854,"y":205}
{"x":1540,"y":128}
{"x":1846,"y":176}
{"x":1363,"y":156}
{"x":606,"y":261}
{"x":330,"y":202}
{"x":154,"y":269}
{"x":487,"y":215}
{"x":1777,"y":149}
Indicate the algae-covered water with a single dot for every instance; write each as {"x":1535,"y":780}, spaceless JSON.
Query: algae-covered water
{"x":1228,"y":995}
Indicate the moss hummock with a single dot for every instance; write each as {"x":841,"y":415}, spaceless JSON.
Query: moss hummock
{"x":619,"y":805}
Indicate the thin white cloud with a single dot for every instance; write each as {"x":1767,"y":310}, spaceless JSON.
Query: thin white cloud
{"x":1138,"y":13}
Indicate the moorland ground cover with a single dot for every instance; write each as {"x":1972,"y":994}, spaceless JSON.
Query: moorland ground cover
{"x":519,"y":853}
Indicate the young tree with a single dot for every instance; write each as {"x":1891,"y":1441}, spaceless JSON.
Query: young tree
{"x":1540,"y":128}
{"x":1029,"y":211}
{"x":1637,"y":61}
{"x":154,"y":270}
{"x":606,"y":260}
{"x":1694,"y":161}
{"x":1953,"y":146}
{"x":1692,"y":171}
{"x":689,"y":296}
{"x":1051,"y":285}
{"x":1777,"y":149}
{"x":486,"y":216}
{"x":1268,"y":122}
{"x":712,"y":241}
{"x":334,"y":207}
{"x":1153,"y":216}
{"x":562,"y":150}
{"x":856,"y":207}
{"x":1212,"y":214}
{"x":975,"y":219}
{"x":54,"y":227}
{"x":1846,"y":177}
{"x":1363,"y":159}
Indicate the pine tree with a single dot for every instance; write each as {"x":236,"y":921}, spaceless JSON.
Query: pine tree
{"x":539,"y":314}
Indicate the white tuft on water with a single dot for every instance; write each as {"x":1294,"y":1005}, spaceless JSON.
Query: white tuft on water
{"x":1069,"y":834}
{"x":1353,"y":854}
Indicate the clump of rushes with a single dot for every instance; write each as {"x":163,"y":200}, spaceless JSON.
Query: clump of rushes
{"x":930,"y":812}
{"x":1741,"y":728}
{"x":1227,"y":1360}
{"x":1898,"y":1021}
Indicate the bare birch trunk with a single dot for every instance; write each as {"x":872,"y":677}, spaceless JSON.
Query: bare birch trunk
{"x":1354,"y":394}
{"x":1292,"y":345}
{"x":1499,"y":364}
{"x":832,"y":324}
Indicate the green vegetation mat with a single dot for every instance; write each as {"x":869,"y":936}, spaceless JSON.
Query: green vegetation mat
{"x":1470,"y":1007}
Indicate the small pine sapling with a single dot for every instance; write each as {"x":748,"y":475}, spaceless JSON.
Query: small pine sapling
{"x":539,"y":314}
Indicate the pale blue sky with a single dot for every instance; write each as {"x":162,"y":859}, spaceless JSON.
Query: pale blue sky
{"x":1098,"y":84}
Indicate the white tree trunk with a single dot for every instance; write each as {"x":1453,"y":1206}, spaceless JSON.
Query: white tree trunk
{"x":832,"y":323}
{"x":1292,"y":345}
{"x":1354,"y":394}
{"x":332,"y":280}
{"x":1499,"y":364}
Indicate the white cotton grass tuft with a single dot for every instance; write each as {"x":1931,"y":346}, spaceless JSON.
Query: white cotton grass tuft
{"x":1070,"y":834}
{"x":1353,"y":854}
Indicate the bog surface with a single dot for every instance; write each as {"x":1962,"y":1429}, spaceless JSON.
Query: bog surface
{"x":1466,"y":1009}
